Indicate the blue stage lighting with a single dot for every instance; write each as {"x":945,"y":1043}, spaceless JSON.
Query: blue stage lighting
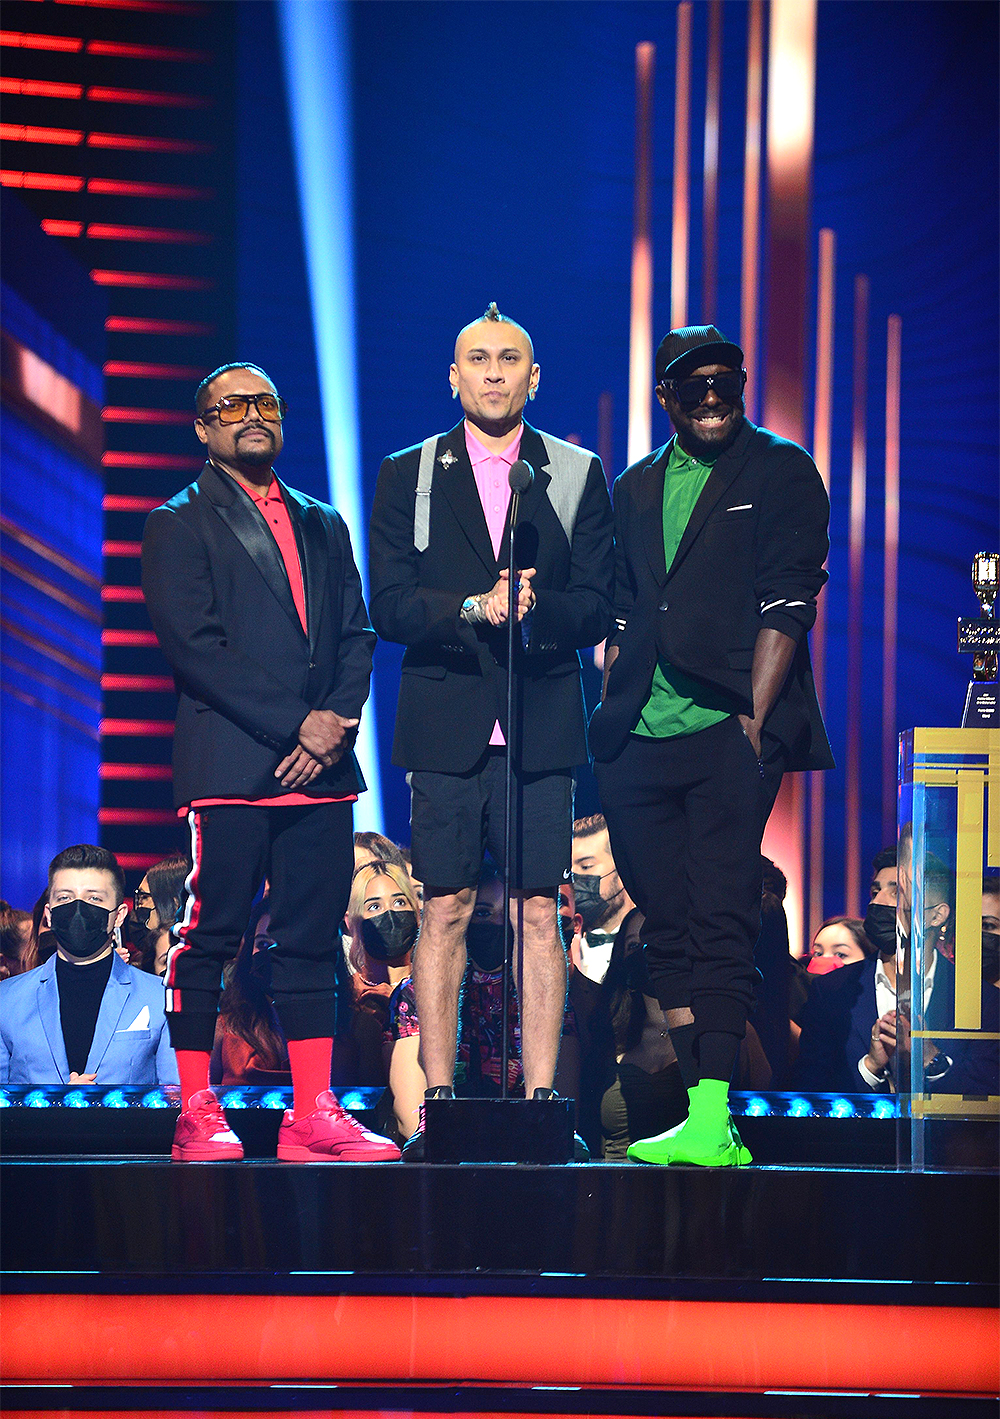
{"x":275,"y":1099}
{"x":841,"y":1108}
{"x":155,"y":1099}
{"x":884,"y":1108}
{"x":5,"y":1099}
{"x":233,"y":1099}
{"x":315,"y":42}
{"x":757,"y":1108}
{"x":800,"y":1108}
{"x":114,"y":1099}
{"x":353,"y":1099}
{"x":37,"y":1099}
{"x":76,"y":1099}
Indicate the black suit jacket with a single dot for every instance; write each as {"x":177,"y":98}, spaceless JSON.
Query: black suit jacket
{"x":221,"y":604}
{"x":453,"y":678}
{"x":837,"y":1021}
{"x":751,"y":556}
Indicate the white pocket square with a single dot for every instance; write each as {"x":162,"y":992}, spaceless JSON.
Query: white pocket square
{"x":141,"y":1021}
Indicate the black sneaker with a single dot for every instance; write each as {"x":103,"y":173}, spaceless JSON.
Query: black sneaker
{"x":415,"y":1147}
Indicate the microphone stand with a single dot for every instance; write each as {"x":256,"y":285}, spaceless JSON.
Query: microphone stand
{"x":520,"y":478}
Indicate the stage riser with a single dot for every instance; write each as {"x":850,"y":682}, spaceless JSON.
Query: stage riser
{"x":744,"y":1225}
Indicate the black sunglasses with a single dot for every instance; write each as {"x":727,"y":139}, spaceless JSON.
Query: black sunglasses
{"x":690,"y":392}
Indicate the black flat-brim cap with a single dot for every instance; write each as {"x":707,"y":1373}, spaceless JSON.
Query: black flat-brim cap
{"x":692,"y":346}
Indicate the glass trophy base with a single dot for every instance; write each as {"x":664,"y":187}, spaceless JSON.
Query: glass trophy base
{"x":981,"y":705}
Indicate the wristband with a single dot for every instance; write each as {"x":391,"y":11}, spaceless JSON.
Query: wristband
{"x":472,"y":610}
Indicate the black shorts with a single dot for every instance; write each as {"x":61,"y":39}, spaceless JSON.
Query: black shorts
{"x":454,"y":818}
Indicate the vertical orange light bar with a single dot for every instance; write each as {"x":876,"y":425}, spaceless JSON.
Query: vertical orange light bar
{"x":790,"y":117}
{"x":680,"y":233}
{"x":640,"y":361}
{"x":750,"y":284}
{"x":822,"y":425}
{"x":710,"y":200}
{"x":891,"y":590}
{"x":855,"y":602}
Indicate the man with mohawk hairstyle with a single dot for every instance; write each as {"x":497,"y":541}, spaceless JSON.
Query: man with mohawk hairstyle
{"x":439,"y":538}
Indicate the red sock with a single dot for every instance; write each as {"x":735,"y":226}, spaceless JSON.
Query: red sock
{"x":192,"y":1066}
{"x":310,"y":1062}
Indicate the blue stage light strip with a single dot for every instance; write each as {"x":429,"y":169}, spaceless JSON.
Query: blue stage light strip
{"x":357,"y":1100}
{"x":315,"y":42}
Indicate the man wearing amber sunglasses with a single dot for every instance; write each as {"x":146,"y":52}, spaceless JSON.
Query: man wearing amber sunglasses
{"x":255,"y":598}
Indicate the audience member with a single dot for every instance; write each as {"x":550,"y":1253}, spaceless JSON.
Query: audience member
{"x":249,"y":1045}
{"x":382,"y":920}
{"x":374,"y":847}
{"x":84,"y":1016}
{"x":956,"y":1066}
{"x":639,"y":1087}
{"x":840,"y":941}
{"x":777,"y":993}
{"x":16,"y":955}
{"x":156,"y":904}
{"x":43,"y":943}
{"x":601,"y":899}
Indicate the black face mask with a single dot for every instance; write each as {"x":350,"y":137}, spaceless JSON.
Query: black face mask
{"x":80,"y":927}
{"x":880,"y":927}
{"x":141,"y":916}
{"x":594,"y":908}
{"x":389,"y":935}
{"x":486,"y":943}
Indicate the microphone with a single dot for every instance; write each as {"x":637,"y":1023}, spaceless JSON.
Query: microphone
{"x":521,"y":476}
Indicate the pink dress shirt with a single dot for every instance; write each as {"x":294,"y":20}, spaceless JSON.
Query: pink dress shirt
{"x":491,"y":471}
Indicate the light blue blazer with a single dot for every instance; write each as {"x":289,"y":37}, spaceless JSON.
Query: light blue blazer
{"x":130,"y":1045}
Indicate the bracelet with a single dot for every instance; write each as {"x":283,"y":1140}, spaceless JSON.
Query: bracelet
{"x":472,"y":610}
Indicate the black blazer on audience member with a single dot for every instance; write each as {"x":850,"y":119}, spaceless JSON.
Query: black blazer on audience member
{"x":452,"y":689}
{"x":837,"y":1021}
{"x":220,"y":601}
{"x":751,"y":556}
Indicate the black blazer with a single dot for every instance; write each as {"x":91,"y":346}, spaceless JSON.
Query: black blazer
{"x":751,"y":556}
{"x":221,"y":604}
{"x":837,"y":1021}
{"x":453,"y":678}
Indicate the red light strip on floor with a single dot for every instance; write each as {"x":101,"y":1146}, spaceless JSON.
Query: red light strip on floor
{"x":126,"y":502}
{"x":135,"y":142}
{"x":121,"y":549}
{"x":131,"y":638}
{"x":121,"y":593}
{"x":113,"y":50}
{"x":150,"y":280}
{"x":148,"y":728}
{"x":156,"y":7}
{"x":145,"y":816}
{"x":139,"y":862}
{"x":63,"y":44}
{"x":52,"y":226}
{"x":546,"y":1341}
{"x":40,"y":88}
{"x":151,"y":98}
{"x":115,"y":414}
{"x":41,"y":181}
{"x":146,"y":772}
{"x":153,"y":684}
{"x":30,"y":133}
{"x":113,"y":187}
{"x":180,"y":462}
{"x":144,"y":325}
{"x":113,"y":231}
{"x":140,"y":369}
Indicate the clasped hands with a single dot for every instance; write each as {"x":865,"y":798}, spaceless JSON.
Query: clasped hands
{"x":494,"y":603}
{"x":324,"y":738}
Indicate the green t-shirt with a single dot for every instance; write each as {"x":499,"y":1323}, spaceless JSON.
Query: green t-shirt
{"x":679,"y":704}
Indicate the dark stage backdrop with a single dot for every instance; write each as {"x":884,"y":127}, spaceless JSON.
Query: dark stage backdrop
{"x":493,"y":157}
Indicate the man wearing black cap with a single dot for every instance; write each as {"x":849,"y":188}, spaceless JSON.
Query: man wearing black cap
{"x":721,"y":537}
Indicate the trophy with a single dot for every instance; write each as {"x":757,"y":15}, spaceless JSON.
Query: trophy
{"x":982,"y":637}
